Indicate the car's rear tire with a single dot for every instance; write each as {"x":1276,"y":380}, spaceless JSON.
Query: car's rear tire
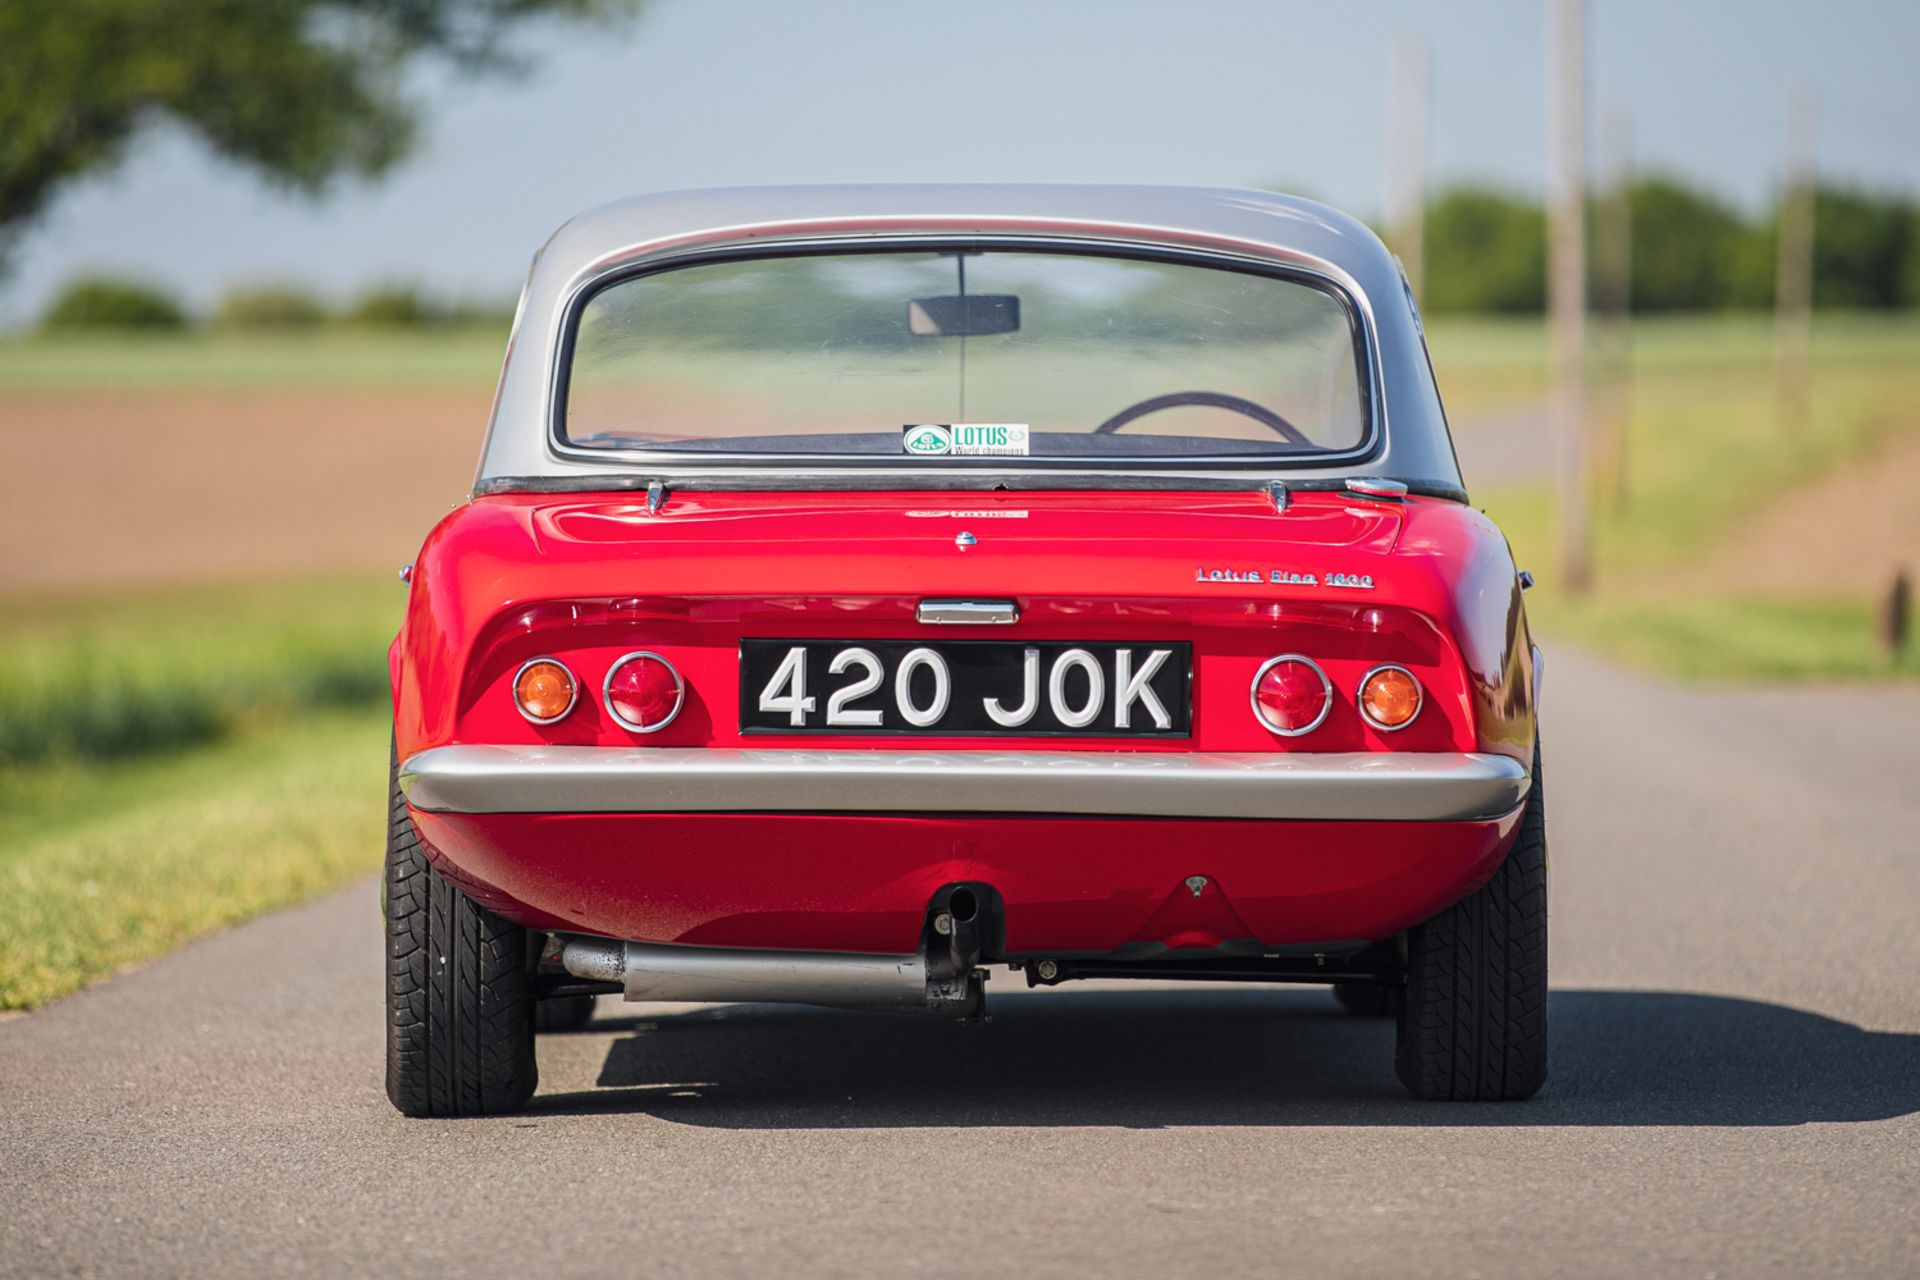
{"x":459,"y":1007}
{"x":1364,"y":999}
{"x":1473,"y":1024}
{"x":562,"y":1013}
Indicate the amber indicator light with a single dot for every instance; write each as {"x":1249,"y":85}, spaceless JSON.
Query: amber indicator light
{"x":1390,"y":697}
{"x":544,"y":690}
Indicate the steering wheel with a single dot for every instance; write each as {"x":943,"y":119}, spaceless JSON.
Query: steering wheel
{"x":1208,"y":399}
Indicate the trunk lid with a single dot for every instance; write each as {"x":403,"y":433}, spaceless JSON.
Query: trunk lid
{"x":1222,"y":579}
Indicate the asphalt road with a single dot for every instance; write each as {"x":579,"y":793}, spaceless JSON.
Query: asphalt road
{"x":1736,"y":1077}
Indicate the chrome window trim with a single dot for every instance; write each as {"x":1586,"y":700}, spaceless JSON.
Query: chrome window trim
{"x":1360,"y":701}
{"x":513,"y":690}
{"x":1323,"y":275}
{"x":679,"y":696}
{"x":1326,"y":704}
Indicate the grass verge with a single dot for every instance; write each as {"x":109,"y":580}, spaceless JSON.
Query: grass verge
{"x":1730,"y":638}
{"x":106,"y":864}
{"x":129,"y":672}
{"x":1705,"y":453}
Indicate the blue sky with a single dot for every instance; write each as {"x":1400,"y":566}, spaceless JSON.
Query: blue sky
{"x":723,"y":92}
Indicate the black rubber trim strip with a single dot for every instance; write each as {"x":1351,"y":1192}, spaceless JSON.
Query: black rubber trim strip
{"x":778,"y":481}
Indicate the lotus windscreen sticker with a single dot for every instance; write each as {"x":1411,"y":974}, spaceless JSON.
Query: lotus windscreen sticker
{"x":965,"y":439}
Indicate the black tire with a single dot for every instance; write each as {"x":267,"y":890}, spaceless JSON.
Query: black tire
{"x":1364,"y":999}
{"x":562,"y":1013}
{"x":1473,"y":1025}
{"x":459,"y":1008}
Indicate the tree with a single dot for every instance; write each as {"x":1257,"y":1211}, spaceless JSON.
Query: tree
{"x":1863,"y":249}
{"x":1687,"y":248}
{"x":1486,"y":251}
{"x":304,"y":91}
{"x":103,"y":302}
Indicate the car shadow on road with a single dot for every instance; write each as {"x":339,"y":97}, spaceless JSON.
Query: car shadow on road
{"x":1152,"y":1058}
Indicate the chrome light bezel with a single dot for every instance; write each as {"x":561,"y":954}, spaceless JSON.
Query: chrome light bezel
{"x":513,"y":690}
{"x":1326,"y":700}
{"x":679,"y":694}
{"x":1360,"y":698}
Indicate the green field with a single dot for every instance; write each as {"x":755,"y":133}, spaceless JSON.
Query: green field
{"x":221,"y":361}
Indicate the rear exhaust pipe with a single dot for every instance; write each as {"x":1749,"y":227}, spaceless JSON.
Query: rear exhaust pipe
{"x":655,"y":971}
{"x":942,"y":978}
{"x":963,"y":928}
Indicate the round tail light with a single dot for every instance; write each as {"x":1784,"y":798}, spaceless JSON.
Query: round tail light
{"x":644,"y":692}
{"x":544,"y":690}
{"x":1389,"y":698}
{"x":1291,"y":694}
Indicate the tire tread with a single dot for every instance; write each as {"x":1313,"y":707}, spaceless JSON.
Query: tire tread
{"x":1474,"y":1022}
{"x":459,"y":1006}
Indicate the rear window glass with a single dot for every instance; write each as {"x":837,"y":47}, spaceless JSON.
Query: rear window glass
{"x":1056,"y":355}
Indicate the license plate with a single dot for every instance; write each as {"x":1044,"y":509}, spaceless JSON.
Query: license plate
{"x":991,"y":688}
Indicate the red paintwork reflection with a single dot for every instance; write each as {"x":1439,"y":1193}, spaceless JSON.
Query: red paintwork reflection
{"x":863,"y":882}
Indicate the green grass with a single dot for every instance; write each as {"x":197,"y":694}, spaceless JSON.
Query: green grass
{"x":107,"y":864}
{"x":465,"y":357}
{"x":1705,"y":449}
{"x":172,"y":762}
{"x":1705,"y":453}
{"x":1487,"y":364}
{"x":1744,"y":639}
{"x":133,"y":672}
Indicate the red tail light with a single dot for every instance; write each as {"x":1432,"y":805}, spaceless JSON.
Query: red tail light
{"x":644,"y":692}
{"x":1291,"y":694}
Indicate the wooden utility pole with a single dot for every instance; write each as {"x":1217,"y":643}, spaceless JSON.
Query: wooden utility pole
{"x":1793,"y":278}
{"x":1567,"y":283}
{"x":1408,"y":101}
{"x":1613,"y":289}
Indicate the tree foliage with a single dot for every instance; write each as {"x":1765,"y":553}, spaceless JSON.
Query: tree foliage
{"x":304,"y":91}
{"x":1486,"y":251}
{"x":392,"y":306}
{"x":1866,"y":251}
{"x":1687,"y":248}
{"x":270,"y":306}
{"x":103,"y":302}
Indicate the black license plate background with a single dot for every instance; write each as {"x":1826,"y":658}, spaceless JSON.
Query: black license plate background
{"x":978,"y":669}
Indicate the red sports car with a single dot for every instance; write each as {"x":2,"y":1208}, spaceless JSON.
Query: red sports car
{"x":865,"y":587}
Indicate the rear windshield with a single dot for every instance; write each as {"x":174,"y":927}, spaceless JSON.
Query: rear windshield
{"x":947,"y":354}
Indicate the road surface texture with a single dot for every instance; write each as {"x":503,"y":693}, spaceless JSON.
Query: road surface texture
{"x":1736,"y":1076}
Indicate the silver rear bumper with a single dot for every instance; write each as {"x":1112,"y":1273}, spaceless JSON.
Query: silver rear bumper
{"x":1332,"y":787}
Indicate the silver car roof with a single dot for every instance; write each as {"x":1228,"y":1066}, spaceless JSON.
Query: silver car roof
{"x":1411,"y":441}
